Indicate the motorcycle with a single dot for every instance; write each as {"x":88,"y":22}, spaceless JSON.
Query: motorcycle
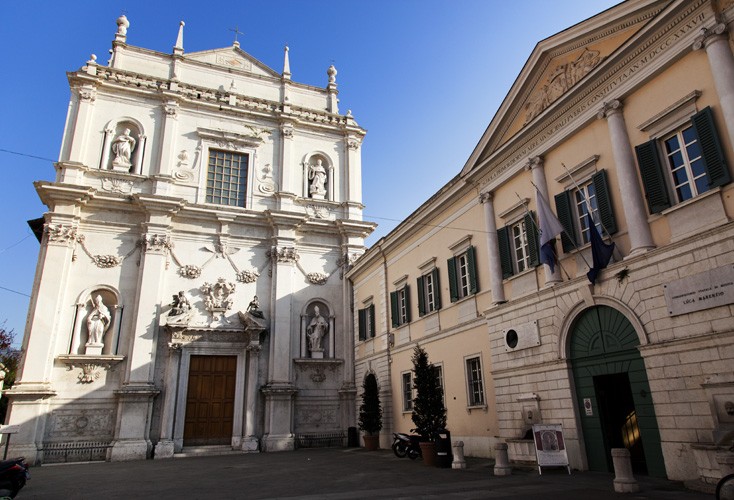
{"x":406,"y":445}
{"x":13,"y":476}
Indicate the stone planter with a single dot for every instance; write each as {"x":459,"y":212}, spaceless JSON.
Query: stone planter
{"x":521,"y":451}
{"x":371,"y":442}
{"x":428,"y":450}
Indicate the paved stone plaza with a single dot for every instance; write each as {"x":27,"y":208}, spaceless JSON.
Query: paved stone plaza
{"x":323,"y":473}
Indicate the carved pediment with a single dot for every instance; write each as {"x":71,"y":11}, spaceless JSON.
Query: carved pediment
{"x":233,"y":58}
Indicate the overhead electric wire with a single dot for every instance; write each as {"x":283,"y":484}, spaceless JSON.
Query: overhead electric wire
{"x":26,"y":155}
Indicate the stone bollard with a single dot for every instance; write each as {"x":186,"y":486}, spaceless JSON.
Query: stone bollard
{"x":624,"y":481}
{"x":501,"y":463}
{"x":458,"y":450}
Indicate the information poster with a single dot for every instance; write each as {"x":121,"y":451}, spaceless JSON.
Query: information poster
{"x":550,"y":447}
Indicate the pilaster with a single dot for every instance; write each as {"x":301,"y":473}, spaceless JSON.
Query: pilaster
{"x":86,"y":95}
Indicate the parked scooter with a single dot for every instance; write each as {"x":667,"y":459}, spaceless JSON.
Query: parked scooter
{"x":406,"y":444}
{"x":13,"y":476}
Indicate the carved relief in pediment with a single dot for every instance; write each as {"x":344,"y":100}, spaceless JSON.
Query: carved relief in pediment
{"x":562,"y":78}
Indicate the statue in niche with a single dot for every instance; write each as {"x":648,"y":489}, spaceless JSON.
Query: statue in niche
{"x":254,"y":308}
{"x":180,"y":305}
{"x":317,"y":176}
{"x":98,"y":321}
{"x":317,"y":329}
{"x":123,"y":148}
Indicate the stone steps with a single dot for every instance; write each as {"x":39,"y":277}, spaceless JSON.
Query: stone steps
{"x":206,"y":451}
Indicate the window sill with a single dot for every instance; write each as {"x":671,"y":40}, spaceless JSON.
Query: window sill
{"x":692,"y":201}
{"x":484,"y":408}
{"x":518,"y":275}
{"x":429,"y":314}
{"x":465,"y":298}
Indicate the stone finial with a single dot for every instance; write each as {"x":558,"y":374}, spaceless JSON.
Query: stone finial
{"x":286,"y":65}
{"x":331,"y":72}
{"x":178,"y":48}
{"x":122,"y":25}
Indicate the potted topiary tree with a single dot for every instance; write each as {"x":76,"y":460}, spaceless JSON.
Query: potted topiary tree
{"x":429,"y":414}
{"x":370,"y":413}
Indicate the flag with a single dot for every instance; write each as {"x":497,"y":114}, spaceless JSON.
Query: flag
{"x":601,"y":252}
{"x":550,"y":227}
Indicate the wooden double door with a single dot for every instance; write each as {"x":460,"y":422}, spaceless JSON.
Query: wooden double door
{"x":210,"y":400}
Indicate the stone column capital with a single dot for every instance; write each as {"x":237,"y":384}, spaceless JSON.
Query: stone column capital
{"x":610,"y":108}
{"x":709,"y":36}
{"x":486,"y":197}
{"x":534,"y":162}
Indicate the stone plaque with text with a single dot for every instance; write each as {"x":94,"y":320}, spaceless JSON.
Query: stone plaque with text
{"x":712,"y":288}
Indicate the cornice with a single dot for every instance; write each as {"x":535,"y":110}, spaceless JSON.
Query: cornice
{"x":186,"y":93}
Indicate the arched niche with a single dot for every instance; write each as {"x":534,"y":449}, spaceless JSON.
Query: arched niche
{"x":123,"y":146}
{"x":317,"y":330}
{"x":318,"y":176}
{"x":97,"y":322}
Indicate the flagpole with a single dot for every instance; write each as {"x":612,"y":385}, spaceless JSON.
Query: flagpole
{"x":553,"y":247}
{"x":588,"y":206}
{"x":569,"y":236}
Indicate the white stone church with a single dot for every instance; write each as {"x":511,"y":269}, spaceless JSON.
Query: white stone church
{"x":190,"y":290}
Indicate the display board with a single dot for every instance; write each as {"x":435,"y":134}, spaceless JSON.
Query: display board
{"x":550,"y":447}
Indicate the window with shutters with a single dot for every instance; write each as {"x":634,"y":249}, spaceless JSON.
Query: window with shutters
{"x":572,"y":206}
{"x":683,"y":163}
{"x":407,"y":388}
{"x":438,"y":370}
{"x":366,"y":322}
{"x":519,"y":246}
{"x":400,"y":306}
{"x":429,"y":293}
{"x":462,"y":270}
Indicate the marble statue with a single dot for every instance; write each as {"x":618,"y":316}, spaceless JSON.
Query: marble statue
{"x":254,"y":308}
{"x":123,"y":148}
{"x":180,"y":305}
{"x":98,"y":321}
{"x":317,"y":328}
{"x":317,"y":176}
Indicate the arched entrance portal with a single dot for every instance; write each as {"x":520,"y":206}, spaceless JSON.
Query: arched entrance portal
{"x":612,"y":392}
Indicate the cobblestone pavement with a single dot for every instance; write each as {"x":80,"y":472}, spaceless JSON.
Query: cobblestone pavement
{"x":325,"y":474}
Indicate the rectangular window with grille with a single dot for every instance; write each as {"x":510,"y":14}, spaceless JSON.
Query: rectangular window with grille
{"x":407,"y":382}
{"x":475,"y":385}
{"x":226,"y":181}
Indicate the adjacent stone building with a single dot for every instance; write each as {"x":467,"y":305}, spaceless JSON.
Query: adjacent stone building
{"x":628,"y":115}
{"x":190,"y":289}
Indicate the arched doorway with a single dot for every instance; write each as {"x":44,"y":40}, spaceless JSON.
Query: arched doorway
{"x":612,"y":392}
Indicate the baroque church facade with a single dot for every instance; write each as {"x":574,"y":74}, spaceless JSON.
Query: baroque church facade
{"x":190,"y":286}
{"x":626,"y":117}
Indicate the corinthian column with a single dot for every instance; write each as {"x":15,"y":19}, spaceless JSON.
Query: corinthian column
{"x":715,"y":41}
{"x":633,"y":202}
{"x":493,"y":248}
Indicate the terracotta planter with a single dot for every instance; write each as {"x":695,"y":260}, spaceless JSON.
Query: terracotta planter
{"x":428,"y":450}
{"x":371,"y":443}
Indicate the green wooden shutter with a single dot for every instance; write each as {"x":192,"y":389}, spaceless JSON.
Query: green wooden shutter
{"x":531,"y":231}
{"x":711,"y":150}
{"x":471,"y":263}
{"x":394,"y":309}
{"x":565,"y":215}
{"x":653,"y":180}
{"x":453,"y":285}
{"x":362,"y":324}
{"x":407,"y":304}
{"x":436,"y":289}
{"x":604,"y":201}
{"x":371,"y":312}
{"x":421,"y":296}
{"x":503,"y":238}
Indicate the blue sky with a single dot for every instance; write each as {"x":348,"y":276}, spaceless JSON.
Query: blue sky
{"x":424,"y":77}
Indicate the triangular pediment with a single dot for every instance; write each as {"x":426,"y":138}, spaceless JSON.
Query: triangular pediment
{"x":558,"y":65}
{"x":232,"y":58}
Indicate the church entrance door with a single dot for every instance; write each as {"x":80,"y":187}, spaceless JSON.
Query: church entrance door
{"x":210,"y":400}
